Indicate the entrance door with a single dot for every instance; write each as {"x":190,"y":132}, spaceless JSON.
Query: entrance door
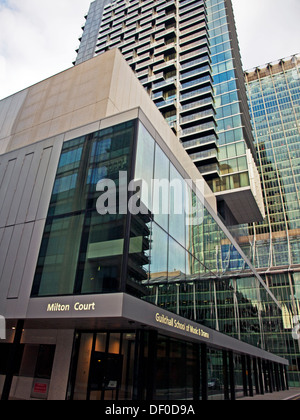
{"x":105,"y":374}
{"x":104,"y":366}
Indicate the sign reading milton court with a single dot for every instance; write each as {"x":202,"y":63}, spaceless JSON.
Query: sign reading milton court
{"x":183,"y":326}
{"x":79,"y":307}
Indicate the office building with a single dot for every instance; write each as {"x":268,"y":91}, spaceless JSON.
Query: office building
{"x":186,"y":55}
{"x":105,"y":303}
{"x":274,"y":244}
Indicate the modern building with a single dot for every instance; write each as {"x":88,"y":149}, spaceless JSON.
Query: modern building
{"x":186,"y":55}
{"x":105,"y":303}
{"x":274,"y":244}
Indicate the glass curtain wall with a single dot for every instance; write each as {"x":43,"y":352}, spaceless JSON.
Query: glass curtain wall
{"x":168,"y":250}
{"x":185,"y":263}
{"x":274,"y":101}
{"x":232,"y":146}
{"x":82,"y":251}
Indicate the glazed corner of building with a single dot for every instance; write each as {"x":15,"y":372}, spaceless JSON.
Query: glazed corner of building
{"x":34,"y":124}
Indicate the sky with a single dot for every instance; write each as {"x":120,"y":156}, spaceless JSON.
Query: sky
{"x":38,"y":38}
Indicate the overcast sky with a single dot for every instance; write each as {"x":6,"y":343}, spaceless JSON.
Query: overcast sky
{"x":38,"y":38}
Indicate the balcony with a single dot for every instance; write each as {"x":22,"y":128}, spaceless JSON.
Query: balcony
{"x":210,"y":113}
{"x":171,"y":82}
{"x":163,"y":19}
{"x":147,"y":61}
{"x":164,"y":5}
{"x":166,"y":104}
{"x":197,"y":11}
{"x":198,"y":129}
{"x":196,"y":53}
{"x":196,"y":82}
{"x":165,"y":32}
{"x":165,"y":64}
{"x":209,"y":171}
{"x":156,"y":77}
{"x":196,"y":105}
{"x":209,"y":141}
{"x":196,"y":44}
{"x":206,"y":155}
{"x":190,"y":22}
{"x":195,"y":62}
{"x":165,"y":48}
{"x":193,"y":37}
{"x":195,"y":93}
{"x":157,"y":95}
{"x":195,"y":28}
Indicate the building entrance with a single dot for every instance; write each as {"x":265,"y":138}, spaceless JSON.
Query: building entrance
{"x":144,"y":365}
{"x":103,"y":366}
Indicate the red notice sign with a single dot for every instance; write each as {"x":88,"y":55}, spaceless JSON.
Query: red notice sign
{"x":40,"y":388}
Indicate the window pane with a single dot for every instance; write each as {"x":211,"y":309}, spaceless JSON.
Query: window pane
{"x":101,"y":253}
{"x":176,"y":265}
{"x":161,"y":191}
{"x":81,"y":250}
{"x":57,"y":263}
{"x":144,"y":164}
{"x":158,"y":252}
{"x":177,"y":202}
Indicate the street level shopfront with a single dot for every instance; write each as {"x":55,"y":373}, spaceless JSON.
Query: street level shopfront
{"x":127,"y":349}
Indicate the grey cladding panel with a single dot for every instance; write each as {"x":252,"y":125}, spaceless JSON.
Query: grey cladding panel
{"x":28,"y":270}
{"x":20,"y":262}
{"x":39,"y":184}
{"x":11,"y":257}
{"x":6,"y":179}
{"x":17,"y":198}
{"x":11,"y":190}
{"x":29,"y":186}
{"x":4,"y":245}
{"x":48,"y":183}
{"x":26,"y":182}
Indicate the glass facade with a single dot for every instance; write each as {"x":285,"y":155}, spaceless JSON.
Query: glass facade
{"x":173,"y":253}
{"x":225,"y":59}
{"x":275,"y":110}
{"x":81,"y":251}
{"x":148,"y":366}
{"x":274,"y":100}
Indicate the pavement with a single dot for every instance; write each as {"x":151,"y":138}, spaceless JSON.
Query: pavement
{"x":292,"y":395}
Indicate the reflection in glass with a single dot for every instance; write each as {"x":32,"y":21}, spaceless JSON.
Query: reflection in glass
{"x":81,"y":250}
{"x":177,"y":220}
{"x":144,"y":164}
{"x":138,"y":255}
{"x":102,"y":248}
{"x":176,"y":370}
{"x":176,"y":264}
{"x":161,"y":194}
{"x":215,"y":375}
{"x":104,"y":366}
{"x":159,"y":252}
{"x":57,"y":263}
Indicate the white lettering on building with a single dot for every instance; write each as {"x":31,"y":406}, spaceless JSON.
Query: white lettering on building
{"x":78,"y":307}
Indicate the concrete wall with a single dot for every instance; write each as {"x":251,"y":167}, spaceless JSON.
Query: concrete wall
{"x":22,"y":386}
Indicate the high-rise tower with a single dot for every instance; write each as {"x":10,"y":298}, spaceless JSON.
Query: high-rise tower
{"x":186,"y":55}
{"x":274,"y":99}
